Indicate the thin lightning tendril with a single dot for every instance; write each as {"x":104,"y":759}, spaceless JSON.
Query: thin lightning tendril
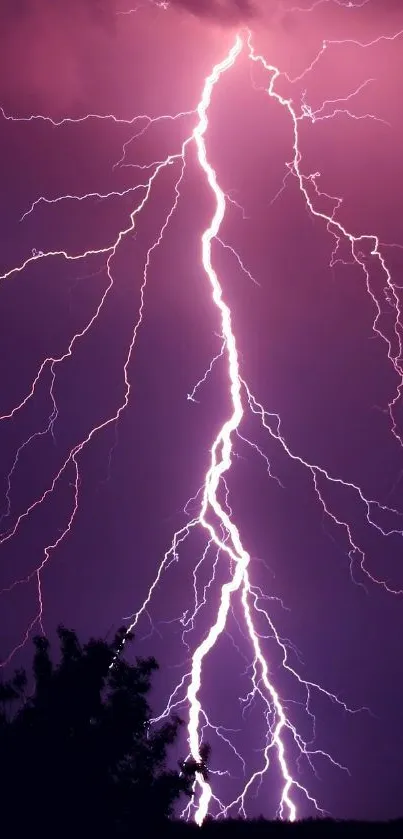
{"x":214,"y":515}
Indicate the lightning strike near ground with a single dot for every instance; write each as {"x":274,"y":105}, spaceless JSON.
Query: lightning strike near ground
{"x":211,"y":604}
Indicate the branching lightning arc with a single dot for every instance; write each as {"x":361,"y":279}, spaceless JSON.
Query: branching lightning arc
{"x":214,"y":516}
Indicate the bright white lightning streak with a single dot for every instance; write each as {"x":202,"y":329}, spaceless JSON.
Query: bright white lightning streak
{"x":220,"y":463}
{"x":231,"y":544}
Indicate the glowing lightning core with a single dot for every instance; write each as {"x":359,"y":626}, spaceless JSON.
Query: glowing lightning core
{"x":220,"y":463}
{"x":230,"y":543}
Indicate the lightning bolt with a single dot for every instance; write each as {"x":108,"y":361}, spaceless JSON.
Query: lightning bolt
{"x":209,"y":511}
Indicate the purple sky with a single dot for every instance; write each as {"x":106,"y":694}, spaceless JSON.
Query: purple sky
{"x":306,"y":344}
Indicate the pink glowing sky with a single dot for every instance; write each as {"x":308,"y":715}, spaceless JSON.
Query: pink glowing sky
{"x":304,"y":334}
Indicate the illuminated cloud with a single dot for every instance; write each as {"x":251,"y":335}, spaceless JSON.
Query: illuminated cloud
{"x":54,"y":47}
{"x":224,"y":11}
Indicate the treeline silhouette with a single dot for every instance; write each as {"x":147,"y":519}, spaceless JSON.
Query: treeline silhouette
{"x":79,"y":756}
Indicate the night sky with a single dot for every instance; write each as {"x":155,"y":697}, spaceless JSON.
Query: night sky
{"x":318,"y":338}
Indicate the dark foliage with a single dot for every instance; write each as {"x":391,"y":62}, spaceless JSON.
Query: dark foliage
{"x":79,"y":758}
{"x":79,"y":753}
{"x":308,"y":829}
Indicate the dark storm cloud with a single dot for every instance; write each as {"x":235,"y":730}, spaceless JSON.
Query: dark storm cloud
{"x":50,"y":49}
{"x":103,"y":12}
{"x":224,"y":11}
{"x":19,"y":10}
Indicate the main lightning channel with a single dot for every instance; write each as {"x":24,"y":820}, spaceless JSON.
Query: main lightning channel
{"x":230,"y":543}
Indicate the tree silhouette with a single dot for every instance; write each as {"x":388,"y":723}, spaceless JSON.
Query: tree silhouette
{"x":79,"y":752}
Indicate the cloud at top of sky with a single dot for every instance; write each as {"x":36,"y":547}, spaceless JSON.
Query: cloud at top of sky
{"x":223,"y":11}
{"x":49,"y":49}
{"x":103,"y":12}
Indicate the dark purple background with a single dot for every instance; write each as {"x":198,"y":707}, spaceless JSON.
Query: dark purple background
{"x":305,"y":340}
